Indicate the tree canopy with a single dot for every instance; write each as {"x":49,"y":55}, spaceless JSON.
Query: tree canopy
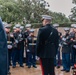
{"x":73,"y":11}
{"x":30,"y":11}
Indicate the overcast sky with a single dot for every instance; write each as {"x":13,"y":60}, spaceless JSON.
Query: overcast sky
{"x":63,"y":6}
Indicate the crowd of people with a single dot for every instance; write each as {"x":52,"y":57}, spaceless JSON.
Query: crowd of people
{"x":20,"y":41}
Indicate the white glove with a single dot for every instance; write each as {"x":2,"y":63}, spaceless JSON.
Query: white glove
{"x":28,"y":50}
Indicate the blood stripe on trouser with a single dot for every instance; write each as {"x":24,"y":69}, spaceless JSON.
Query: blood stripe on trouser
{"x":41,"y":67}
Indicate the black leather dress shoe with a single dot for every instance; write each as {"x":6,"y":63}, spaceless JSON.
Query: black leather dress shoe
{"x":58,"y":67}
{"x":13,"y":66}
{"x":29,"y":66}
{"x":8,"y":73}
{"x":73,"y":67}
{"x":21,"y":66}
{"x":63,"y":70}
{"x":67,"y":71}
{"x":34,"y":66}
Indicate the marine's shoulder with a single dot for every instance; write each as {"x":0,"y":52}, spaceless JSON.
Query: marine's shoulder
{"x":45,"y":27}
{"x":55,"y":30}
{"x":42,"y":28}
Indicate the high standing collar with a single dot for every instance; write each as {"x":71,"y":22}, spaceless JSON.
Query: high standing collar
{"x":48,"y":25}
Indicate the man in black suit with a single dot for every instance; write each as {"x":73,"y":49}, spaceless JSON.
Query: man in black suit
{"x":47,"y":45}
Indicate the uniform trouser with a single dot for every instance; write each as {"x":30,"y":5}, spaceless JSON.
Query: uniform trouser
{"x":31,"y":59}
{"x":57,"y":62}
{"x":74,"y":56}
{"x":66,"y":61}
{"x":9,"y":55}
{"x":20,"y":52}
{"x":14,"y":56}
{"x":47,"y":65}
{"x":9,"y":58}
{"x":26,"y":56}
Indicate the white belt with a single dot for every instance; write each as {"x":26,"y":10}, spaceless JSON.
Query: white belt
{"x":9,"y":42}
{"x":32,"y":43}
{"x":74,"y":46}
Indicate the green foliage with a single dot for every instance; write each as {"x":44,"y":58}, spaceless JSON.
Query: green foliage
{"x":74,"y":1}
{"x":14,"y":11}
{"x":73,"y":10}
{"x":59,"y":18}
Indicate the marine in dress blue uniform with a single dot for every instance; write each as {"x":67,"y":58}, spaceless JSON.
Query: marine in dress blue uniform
{"x":31,"y":49}
{"x":14,"y":51}
{"x":23,"y":42}
{"x":66,"y":49}
{"x":10,"y":41}
{"x":19,"y":41}
{"x":26,"y":34}
{"x":73,"y":36}
{"x":57,"y":58}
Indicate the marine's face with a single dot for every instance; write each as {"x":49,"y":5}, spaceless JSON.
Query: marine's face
{"x":7,"y":30}
{"x":44,"y":22}
{"x":75,"y":30}
{"x":32,"y":34}
{"x":17,"y":29}
{"x":14,"y":30}
{"x":28,"y":29}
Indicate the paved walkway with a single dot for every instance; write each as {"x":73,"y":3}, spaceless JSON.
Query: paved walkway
{"x":32,"y":71}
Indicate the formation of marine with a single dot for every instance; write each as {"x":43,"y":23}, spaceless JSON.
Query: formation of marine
{"x":21,"y":44}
